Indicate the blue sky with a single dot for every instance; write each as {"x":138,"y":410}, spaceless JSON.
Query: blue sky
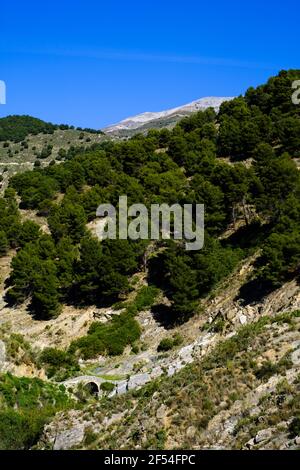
{"x":92,"y":63}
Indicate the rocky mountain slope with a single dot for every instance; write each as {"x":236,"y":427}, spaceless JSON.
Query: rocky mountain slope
{"x":156,"y":120}
{"x":238,"y":387}
{"x":125,"y":344}
{"x":243,"y":394}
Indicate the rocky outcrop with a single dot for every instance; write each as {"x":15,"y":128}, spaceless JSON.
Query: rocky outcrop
{"x":259,"y":418}
{"x":156,"y":367}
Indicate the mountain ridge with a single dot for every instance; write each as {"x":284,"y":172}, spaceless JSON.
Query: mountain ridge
{"x":148,"y":117}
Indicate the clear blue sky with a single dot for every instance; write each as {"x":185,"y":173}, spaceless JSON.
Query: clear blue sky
{"x":92,"y":63}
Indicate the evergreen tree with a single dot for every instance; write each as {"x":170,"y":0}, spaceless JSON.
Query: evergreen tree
{"x":182,"y":284}
{"x":3,"y":243}
{"x":45,"y":291}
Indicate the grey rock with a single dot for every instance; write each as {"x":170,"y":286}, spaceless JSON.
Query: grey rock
{"x":250,"y":444}
{"x":191,"y":431}
{"x":284,"y":446}
{"x":69,"y":438}
{"x":156,"y":372}
{"x":138,"y":380}
{"x":120,"y":389}
{"x":231,"y":314}
{"x":295,"y":357}
{"x":113,"y":419}
{"x":263,"y":435}
{"x":161,"y":412}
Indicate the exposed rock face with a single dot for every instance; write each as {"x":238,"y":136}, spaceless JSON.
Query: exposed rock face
{"x":66,"y":432}
{"x":69,"y":438}
{"x":252,"y":421}
{"x":229,"y":304}
{"x":59,"y":332}
{"x":263,"y":435}
{"x":221,"y":429}
{"x":171,"y":364}
{"x":69,"y":430}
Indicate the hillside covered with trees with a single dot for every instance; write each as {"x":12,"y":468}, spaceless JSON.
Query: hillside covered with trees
{"x":241,"y":164}
{"x":17,"y":128}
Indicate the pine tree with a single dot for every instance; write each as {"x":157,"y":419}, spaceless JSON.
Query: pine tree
{"x":45,"y":294}
{"x":3,"y":243}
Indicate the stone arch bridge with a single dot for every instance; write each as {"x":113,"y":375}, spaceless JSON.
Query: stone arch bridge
{"x":93,"y":383}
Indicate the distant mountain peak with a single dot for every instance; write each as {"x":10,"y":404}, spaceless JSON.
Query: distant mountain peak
{"x":148,"y":118}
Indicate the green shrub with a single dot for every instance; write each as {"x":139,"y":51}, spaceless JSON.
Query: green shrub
{"x":146,"y":297}
{"x":19,"y":350}
{"x":157,"y":441}
{"x":26,"y":406}
{"x":169,"y":343}
{"x":135,"y":349}
{"x":109,"y":338}
{"x":53,"y":357}
{"x":177,"y":339}
{"x":266,"y":371}
{"x":89,"y":436}
{"x":165,"y":345}
{"x":218,"y":325}
{"x":107,"y":387}
{"x":19,"y":431}
{"x":60,"y":364}
{"x":294,"y":427}
{"x":161,"y":437}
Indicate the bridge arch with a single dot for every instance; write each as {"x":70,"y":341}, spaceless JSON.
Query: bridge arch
{"x":92,"y":388}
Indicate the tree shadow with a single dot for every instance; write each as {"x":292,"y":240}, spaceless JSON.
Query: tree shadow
{"x":9,"y":302}
{"x":248,"y":236}
{"x":156,"y":271}
{"x":254,"y":292}
{"x":167,"y":317}
{"x":8,"y":283}
{"x":75,"y":298}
